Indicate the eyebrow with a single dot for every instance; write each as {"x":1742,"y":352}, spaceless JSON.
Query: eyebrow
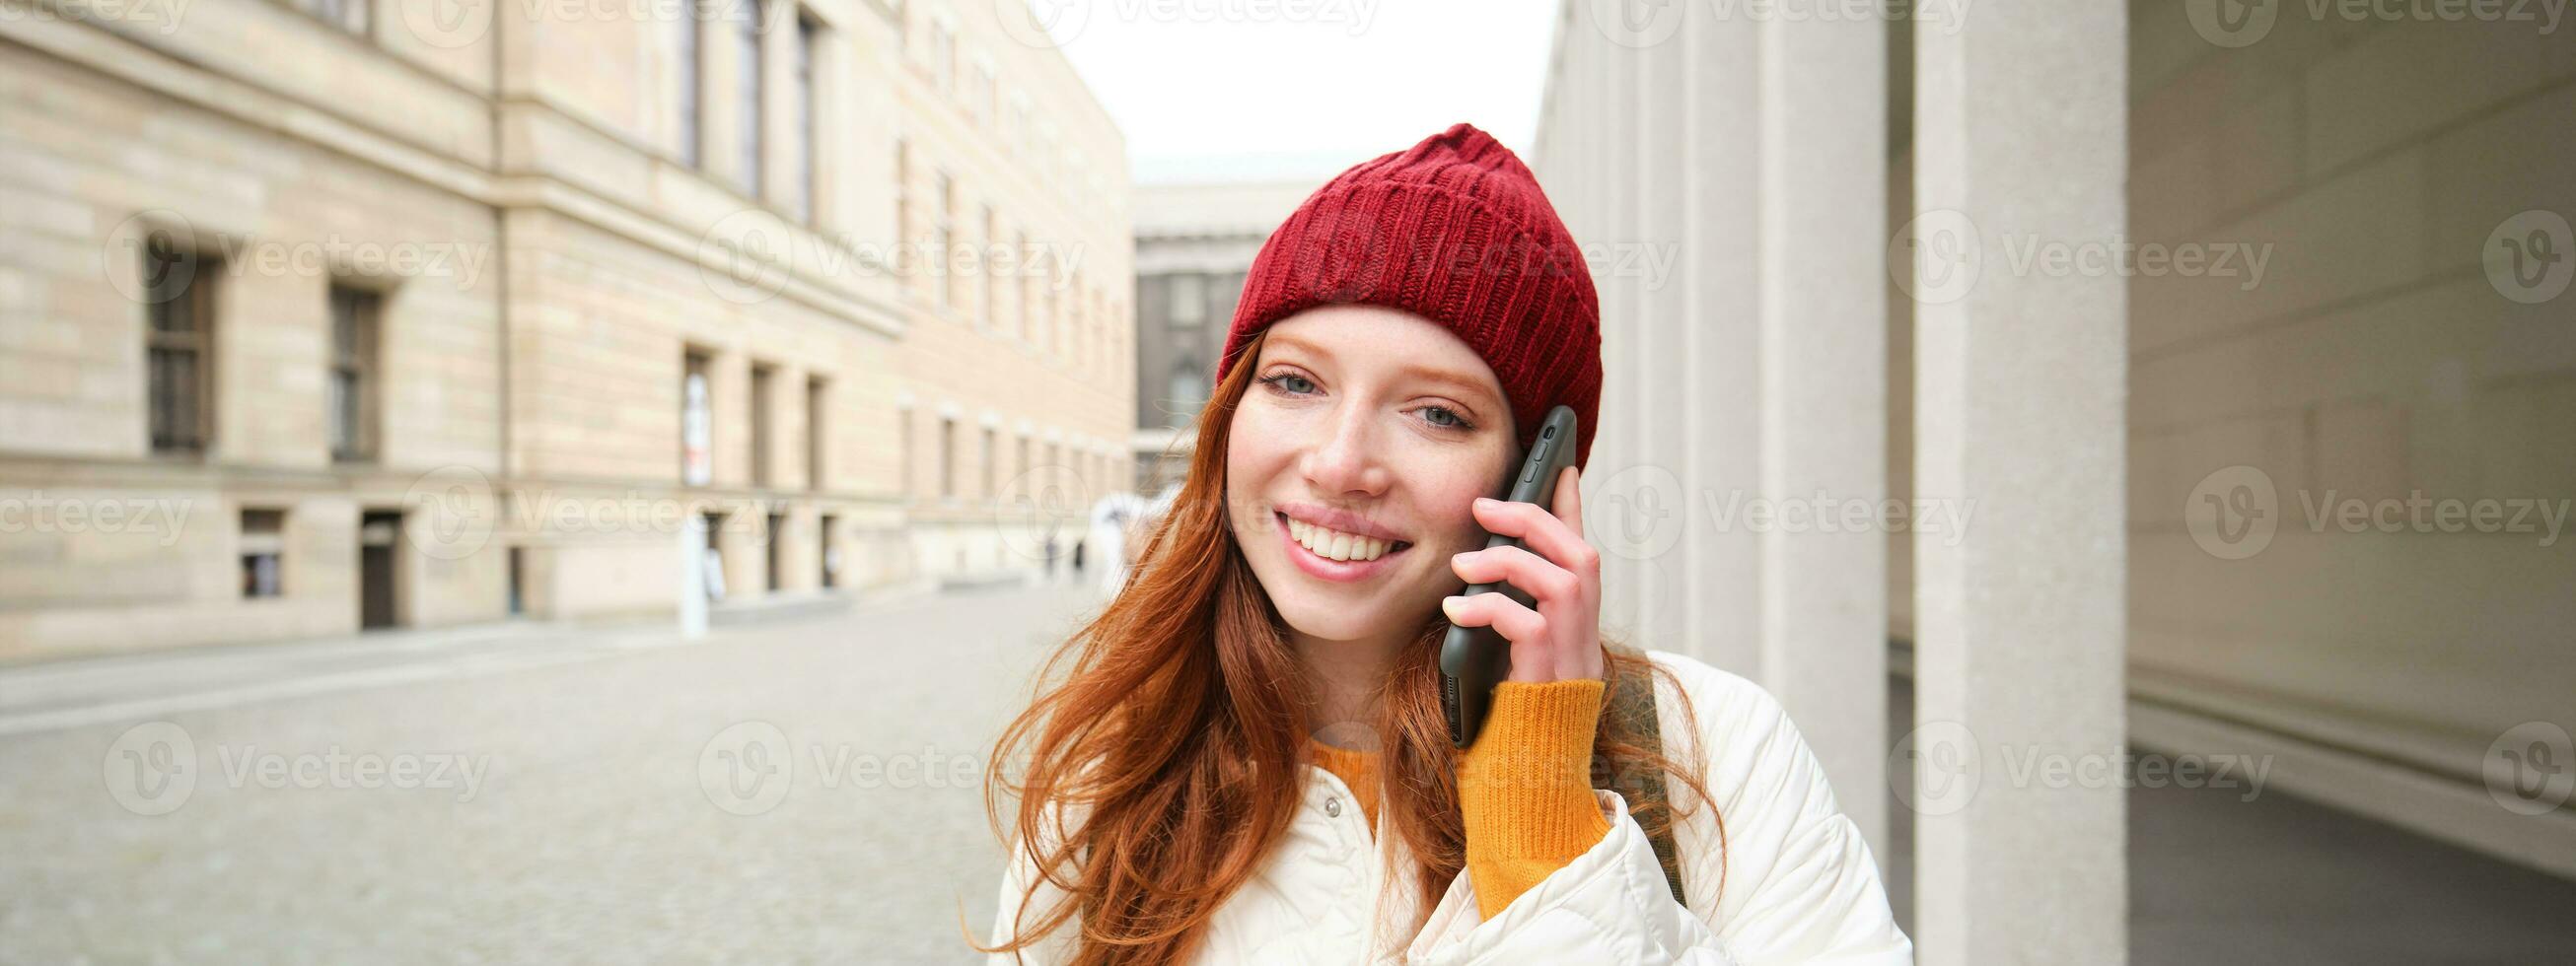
{"x":1444,"y":376}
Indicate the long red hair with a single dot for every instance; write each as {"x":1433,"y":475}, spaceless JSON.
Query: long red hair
{"x":1179,"y":732}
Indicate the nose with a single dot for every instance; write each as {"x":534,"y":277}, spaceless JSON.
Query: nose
{"x":1345,"y":461}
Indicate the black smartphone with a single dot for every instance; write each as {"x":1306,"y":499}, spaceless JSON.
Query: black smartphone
{"x":1474,"y":659}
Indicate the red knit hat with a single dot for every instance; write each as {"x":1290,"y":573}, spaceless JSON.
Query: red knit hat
{"x":1455,"y":230}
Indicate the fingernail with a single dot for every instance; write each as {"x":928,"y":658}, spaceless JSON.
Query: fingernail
{"x":1449,"y":605}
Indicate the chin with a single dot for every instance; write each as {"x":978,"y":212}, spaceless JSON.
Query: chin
{"x":1330,"y":620}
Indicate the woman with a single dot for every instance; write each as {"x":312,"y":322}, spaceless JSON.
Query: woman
{"x":1246,"y":758}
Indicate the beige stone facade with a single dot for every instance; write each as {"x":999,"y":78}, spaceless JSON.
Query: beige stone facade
{"x":271,"y":272}
{"x":2219,"y":399}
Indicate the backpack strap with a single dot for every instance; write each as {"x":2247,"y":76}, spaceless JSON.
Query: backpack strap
{"x":1632,"y":700}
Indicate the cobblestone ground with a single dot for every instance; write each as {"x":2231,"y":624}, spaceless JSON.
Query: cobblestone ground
{"x":805,"y":791}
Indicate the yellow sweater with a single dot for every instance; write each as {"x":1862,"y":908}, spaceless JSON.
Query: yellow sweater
{"x":1525,"y":786}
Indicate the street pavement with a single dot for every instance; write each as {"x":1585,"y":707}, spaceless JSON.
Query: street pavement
{"x":809,"y":790}
{"x":804,"y":790}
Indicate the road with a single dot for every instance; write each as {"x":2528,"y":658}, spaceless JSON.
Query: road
{"x":791,"y":791}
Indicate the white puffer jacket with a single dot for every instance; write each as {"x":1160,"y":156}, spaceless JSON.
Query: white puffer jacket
{"x":1799,"y":885}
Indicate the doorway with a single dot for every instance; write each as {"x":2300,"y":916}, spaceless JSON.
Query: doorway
{"x":379,"y":596}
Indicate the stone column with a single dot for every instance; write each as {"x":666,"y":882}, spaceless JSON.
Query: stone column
{"x":2020,"y":131}
{"x":1823,"y":354}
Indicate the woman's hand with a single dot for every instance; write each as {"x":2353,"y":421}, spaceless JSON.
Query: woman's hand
{"x":1559,"y":570}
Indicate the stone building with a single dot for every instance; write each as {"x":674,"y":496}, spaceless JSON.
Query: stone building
{"x":1194,"y":243}
{"x":329,"y":314}
{"x":2217,"y":396}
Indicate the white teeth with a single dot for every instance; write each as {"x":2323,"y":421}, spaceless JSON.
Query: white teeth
{"x":1336,"y":545}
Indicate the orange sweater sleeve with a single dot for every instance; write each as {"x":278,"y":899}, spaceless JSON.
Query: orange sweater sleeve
{"x":1525,"y":787}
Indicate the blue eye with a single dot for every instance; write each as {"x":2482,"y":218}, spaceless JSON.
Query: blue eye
{"x":1288,"y":382}
{"x":1447,"y":418}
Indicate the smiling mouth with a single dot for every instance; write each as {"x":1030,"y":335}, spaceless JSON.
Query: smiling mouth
{"x":1337,"y":546}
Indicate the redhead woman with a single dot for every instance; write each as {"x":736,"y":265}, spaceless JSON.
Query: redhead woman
{"x":1243,"y":758}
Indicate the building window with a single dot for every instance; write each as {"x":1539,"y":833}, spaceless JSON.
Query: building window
{"x":984,"y":268}
{"x":1020,"y":297}
{"x":980,"y":100}
{"x":1184,"y":393}
{"x":179,"y":289}
{"x":947,"y":458}
{"x":348,"y":15}
{"x":806,"y":47}
{"x":747,"y":16}
{"x":1023,"y":465}
{"x":687,"y":63}
{"x":906,"y":462}
{"x":1186,"y":297}
{"x":354,"y":327}
{"x":943,"y":57}
{"x":902,"y":190}
{"x":990,"y":451}
{"x":697,"y":420}
{"x":263,"y":553}
{"x":816,"y":438}
{"x":942,"y":231}
{"x":762,"y":379}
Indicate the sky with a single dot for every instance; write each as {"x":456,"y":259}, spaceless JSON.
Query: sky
{"x":1228,"y":90}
